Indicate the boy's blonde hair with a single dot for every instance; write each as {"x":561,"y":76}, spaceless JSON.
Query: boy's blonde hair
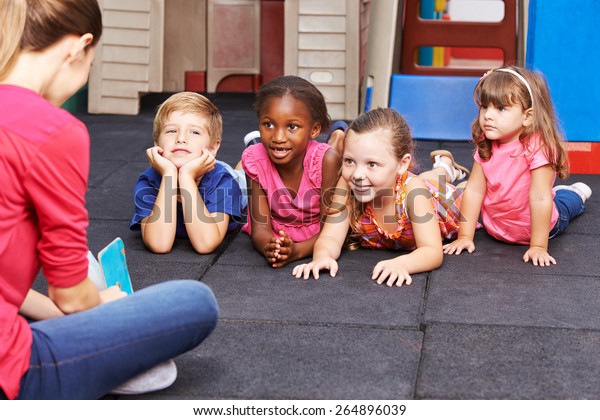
{"x":189,"y":102}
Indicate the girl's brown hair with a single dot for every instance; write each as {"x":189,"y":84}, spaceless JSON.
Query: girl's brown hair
{"x":37,"y":24}
{"x":397,"y":130}
{"x":501,"y":89}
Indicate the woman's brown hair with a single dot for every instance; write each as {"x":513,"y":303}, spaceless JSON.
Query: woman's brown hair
{"x":37,"y":24}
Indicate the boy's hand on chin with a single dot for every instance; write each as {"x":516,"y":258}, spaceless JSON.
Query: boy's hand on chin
{"x":199,"y":166}
{"x":159,"y":163}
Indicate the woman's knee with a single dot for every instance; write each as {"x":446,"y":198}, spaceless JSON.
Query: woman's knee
{"x":189,"y":301}
{"x":198,"y":301}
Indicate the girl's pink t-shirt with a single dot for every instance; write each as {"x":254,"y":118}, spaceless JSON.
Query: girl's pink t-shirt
{"x":505,"y":211}
{"x":298,"y":216}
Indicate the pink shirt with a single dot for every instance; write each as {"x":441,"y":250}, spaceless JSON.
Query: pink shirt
{"x":505,"y":211}
{"x":298,"y":216}
{"x":44,"y":163}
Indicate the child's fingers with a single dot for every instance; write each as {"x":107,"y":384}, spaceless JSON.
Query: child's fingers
{"x":406,"y":278}
{"x":392,"y":279}
{"x":333,"y":268}
{"x":298,"y":271}
{"x":380,"y":273}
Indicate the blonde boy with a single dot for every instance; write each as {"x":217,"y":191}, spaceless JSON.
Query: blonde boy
{"x":186,"y":192}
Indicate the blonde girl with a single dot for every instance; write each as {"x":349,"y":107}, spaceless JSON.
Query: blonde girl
{"x":385,"y":205}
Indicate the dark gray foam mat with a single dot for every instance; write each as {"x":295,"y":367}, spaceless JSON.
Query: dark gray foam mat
{"x":113,"y":198}
{"x":120,"y":140}
{"x":513,"y":299}
{"x":263,"y":293}
{"x":274,"y":361}
{"x":101,"y":170}
{"x":487,"y":362}
{"x":573,"y":252}
{"x":242,"y":252}
{"x":153,"y":272}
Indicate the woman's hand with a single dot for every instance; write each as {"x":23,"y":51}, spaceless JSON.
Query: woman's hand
{"x":111,"y":293}
{"x":394,"y":271}
{"x":325,"y":263}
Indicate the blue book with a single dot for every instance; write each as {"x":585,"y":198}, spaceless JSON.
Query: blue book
{"x":114,"y":266}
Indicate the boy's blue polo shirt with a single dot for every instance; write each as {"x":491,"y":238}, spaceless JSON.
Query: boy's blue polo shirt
{"x":220,"y":192}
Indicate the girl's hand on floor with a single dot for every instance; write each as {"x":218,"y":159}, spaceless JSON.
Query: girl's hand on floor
{"x":457,"y":246}
{"x":305,"y":270}
{"x":393,"y":271}
{"x":538,"y":256}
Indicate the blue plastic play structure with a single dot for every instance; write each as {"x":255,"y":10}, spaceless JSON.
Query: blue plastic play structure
{"x":435,"y":107}
{"x":563,"y":43}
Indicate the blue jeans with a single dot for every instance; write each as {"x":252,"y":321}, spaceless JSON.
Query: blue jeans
{"x":569,"y":205}
{"x":85,"y":355}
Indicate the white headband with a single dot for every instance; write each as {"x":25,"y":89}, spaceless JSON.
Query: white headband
{"x":521,"y":78}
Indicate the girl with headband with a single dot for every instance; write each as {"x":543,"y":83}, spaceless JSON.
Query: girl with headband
{"x":519,"y":152}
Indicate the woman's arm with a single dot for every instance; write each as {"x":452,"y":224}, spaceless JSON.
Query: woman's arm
{"x":38,"y":307}
{"x":82,"y":296}
{"x":78,"y":298}
{"x":428,"y":254}
{"x":472,"y":199}
{"x":540,"y":206}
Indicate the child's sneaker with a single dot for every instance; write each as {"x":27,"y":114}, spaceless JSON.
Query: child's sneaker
{"x":251,"y":138}
{"x":580,"y":188}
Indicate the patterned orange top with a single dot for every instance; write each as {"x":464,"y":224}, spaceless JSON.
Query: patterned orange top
{"x":446,"y":201}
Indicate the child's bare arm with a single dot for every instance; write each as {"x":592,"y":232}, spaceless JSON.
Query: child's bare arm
{"x":263,"y":238}
{"x":158,"y":229}
{"x":428,"y":255}
{"x":328,"y":246}
{"x":332,"y":162}
{"x":540,"y":205}
{"x":472,"y":199}
{"x":205,"y":230}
